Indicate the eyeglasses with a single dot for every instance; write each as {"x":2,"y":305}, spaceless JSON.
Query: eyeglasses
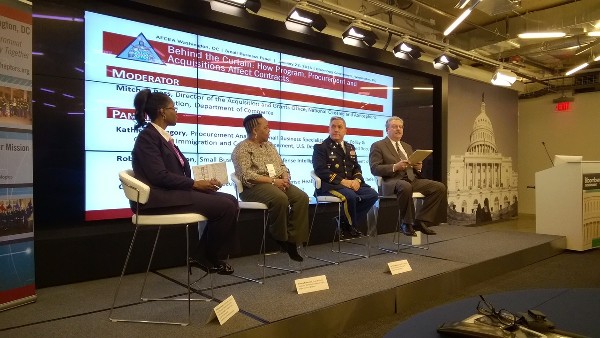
{"x":502,"y":316}
{"x":174,"y":108}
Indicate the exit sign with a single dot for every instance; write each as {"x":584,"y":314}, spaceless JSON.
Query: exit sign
{"x":563,"y":106}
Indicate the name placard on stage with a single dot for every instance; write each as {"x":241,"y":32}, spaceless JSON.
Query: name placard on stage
{"x":225,"y":310}
{"x":397,"y":267}
{"x":311,"y":284}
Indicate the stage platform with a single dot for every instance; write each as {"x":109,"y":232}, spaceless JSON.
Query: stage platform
{"x":360,"y":290}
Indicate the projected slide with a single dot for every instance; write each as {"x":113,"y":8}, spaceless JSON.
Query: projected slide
{"x":215,"y":84}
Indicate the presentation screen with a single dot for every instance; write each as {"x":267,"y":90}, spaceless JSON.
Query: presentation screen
{"x":214,"y":84}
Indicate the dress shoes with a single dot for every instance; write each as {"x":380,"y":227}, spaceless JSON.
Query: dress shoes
{"x":350,"y":231}
{"x":210,"y":266}
{"x":347,"y":229}
{"x":222,"y":268}
{"x":422,"y":227}
{"x":407,"y":229}
{"x":202,"y":265}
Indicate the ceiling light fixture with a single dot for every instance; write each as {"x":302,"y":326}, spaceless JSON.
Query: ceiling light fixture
{"x":359,"y":35}
{"x":445,"y":61}
{"x":230,"y":6}
{"x":460,"y":19}
{"x":576,"y":69}
{"x":541,"y":35}
{"x":407,"y":51}
{"x":462,"y":4}
{"x":305,"y":16}
{"x":593,"y":33}
{"x":504,"y":78}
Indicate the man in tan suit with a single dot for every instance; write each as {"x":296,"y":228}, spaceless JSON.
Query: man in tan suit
{"x":389,"y":159}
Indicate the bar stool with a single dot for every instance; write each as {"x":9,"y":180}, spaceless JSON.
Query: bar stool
{"x":337,"y":236}
{"x":416,"y":242}
{"x":137,"y":191}
{"x":237,"y":184}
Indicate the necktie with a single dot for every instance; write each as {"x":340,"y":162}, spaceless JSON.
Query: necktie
{"x":410,"y":174}
{"x":172,"y":144}
{"x":398,"y":149}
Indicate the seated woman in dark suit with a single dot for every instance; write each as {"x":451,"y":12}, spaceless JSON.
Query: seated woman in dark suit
{"x":159,"y":163}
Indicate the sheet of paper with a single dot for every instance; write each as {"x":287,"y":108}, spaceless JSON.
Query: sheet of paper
{"x":311,"y":284}
{"x":397,"y":267}
{"x":419,"y":155}
{"x":211,"y":170}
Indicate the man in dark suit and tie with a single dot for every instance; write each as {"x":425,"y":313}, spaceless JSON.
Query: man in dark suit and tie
{"x":336,"y":164}
{"x":389,"y":159}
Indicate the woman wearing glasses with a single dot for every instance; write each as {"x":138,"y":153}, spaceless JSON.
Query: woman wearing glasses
{"x":158,"y":162}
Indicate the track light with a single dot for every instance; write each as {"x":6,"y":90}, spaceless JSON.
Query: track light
{"x":461,"y":18}
{"x":304,"y":16}
{"x":504,"y":78}
{"x":407,"y":51}
{"x":359,"y":35}
{"x":445,"y":61}
{"x":576,"y":69}
{"x":541,"y":35}
{"x":233,"y":6}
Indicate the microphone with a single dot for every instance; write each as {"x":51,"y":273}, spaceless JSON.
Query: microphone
{"x":547,"y":153}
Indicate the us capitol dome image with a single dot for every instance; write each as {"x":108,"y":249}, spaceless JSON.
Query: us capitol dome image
{"x":482,"y":186}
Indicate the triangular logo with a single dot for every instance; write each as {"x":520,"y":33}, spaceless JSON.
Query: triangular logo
{"x":140,"y":49}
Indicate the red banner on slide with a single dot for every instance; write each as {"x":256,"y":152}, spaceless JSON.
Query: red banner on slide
{"x":127,"y":114}
{"x":196,"y":58}
{"x":189,"y":82}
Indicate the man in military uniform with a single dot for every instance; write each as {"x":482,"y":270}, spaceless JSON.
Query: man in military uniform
{"x":336,"y":164}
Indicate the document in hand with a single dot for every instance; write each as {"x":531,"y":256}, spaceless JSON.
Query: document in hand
{"x":211,"y":170}
{"x":419,"y":155}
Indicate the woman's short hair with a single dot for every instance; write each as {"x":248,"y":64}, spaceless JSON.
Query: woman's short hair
{"x":251,"y":121}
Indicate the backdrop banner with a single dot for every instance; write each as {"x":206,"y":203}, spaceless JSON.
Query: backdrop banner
{"x":17,"y":269}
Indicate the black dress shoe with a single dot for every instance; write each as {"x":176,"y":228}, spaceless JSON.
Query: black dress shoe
{"x":352,"y":231}
{"x":204,"y":266}
{"x":407,"y":229}
{"x":222,"y":268}
{"x":422,"y":227}
{"x":347,"y":229}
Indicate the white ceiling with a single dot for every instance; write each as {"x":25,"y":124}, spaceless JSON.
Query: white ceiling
{"x":486,"y":39}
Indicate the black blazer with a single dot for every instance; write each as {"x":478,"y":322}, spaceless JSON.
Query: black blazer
{"x":155,"y":163}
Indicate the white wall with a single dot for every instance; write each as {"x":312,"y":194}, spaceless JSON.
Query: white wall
{"x":575,"y":132}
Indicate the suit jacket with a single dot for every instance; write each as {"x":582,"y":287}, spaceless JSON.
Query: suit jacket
{"x":382,"y":157}
{"x":155,"y":163}
{"x":332,"y":164}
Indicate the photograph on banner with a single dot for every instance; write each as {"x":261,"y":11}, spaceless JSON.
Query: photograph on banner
{"x":18,"y":269}
{"x":16,"y":212}
{"x":15,"y":108}
{"x":16,"y":166}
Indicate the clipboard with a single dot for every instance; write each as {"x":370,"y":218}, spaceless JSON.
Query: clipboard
{"x":419,"y":155}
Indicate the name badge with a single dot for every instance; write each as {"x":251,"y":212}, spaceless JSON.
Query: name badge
{"x":271,"y":170}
